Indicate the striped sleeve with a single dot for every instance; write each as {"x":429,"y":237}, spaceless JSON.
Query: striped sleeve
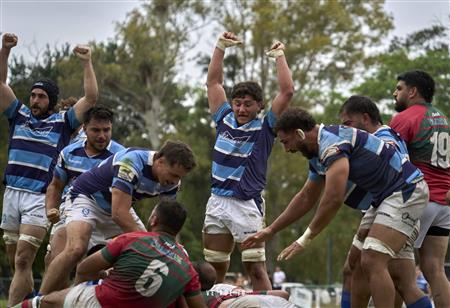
{"x":11,"y":111}
{"x":221,"y":112}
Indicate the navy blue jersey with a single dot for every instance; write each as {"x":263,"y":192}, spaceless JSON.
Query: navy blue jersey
{"x":240,"y":155}
{"x":129,"y":170}
{"x":376,"y":167}
{"x":355,"y":196}
{"x":73,"y":160}
{"x":34,"y":145}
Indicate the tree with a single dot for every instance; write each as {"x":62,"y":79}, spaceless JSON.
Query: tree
{"x":326,"y":41}
{"x":427,"y":49}
{"x":150,"y":45}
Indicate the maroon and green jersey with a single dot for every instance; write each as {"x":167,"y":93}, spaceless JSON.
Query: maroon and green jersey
{"x":149,"y":270}
{"x":426,"y":131}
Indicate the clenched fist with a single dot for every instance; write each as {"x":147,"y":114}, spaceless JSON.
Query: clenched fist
{"x":53,"y":215}
{"x":227,"y":39}
{"x":83,"y":52}
{"x":9,"y":40}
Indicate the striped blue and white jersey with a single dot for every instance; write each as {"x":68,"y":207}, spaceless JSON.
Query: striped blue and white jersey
{"x":240,"y":155}
{"x":73,"y":160}
{"x":377,"y":168}
{"x":355,"y":196}
{"x":130,"y":171}
{"x":81,"y":136}
{"x":34,"y":145}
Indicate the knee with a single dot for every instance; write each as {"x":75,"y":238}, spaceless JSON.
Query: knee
{"x":354,"y":258}
{"x":23,"y":261}
{"x":257,"y":270}
{"x":347,"y":270}
{"x":365,"y":262}
{"x":369,"y":263}
{"x":431,"y":268}
{"x":74,"y":252}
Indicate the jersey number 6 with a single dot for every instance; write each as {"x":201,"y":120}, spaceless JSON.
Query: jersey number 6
{"x":152,"y":278}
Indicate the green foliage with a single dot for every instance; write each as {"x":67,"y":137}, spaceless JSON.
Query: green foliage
{"x":326,"y":46}
{"x":326,"y":41}
{"x":427,"y":49}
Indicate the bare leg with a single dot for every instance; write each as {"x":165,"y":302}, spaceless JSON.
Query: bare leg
{"x":57,"y":243}
{"x":78,"y":234}
{"x":54,"y":299}
{"x":258,"y":273}
{"x":360,"y":291}
{"x":219,"y":242}
{"x":432,"y":258}
{"x":403,"y":272}
{"x":360,"y":285}
{"x":11,"y":253}
{"x":22,"y":282}
{"x":375,"y":264}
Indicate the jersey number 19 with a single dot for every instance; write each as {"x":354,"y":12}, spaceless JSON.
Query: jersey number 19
{"x":440,"y":157}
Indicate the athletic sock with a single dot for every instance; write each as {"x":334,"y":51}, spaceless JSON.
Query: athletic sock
{"x":30,"y":295}
{"x":423,"y":302}
{"x":346,"y":299}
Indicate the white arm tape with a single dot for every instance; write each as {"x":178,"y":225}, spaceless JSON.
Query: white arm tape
{"x":306,"y":238}
{"x":275,"y":53}
{"x":223,"y":43}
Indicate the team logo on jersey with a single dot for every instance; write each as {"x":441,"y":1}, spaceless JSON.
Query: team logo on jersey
{"x":126,"y":173}
{"x":40,"y":131}
{"x":234,"y":141}
{"x":330,"y":151}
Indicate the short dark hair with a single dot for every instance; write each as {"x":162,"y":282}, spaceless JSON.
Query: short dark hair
{"x":206,"y":274}
{"x":295,"y":118}
{"x":358,"y":104}
{"x":422,"y":81}
{"x":98,"y":113}
{"x":171,"y":215}
{"x":177,"y":152}
{"x":251,"y":88}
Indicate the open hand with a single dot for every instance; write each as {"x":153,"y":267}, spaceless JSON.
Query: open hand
{"x":259,"y":237}
{"x":290,"y":251}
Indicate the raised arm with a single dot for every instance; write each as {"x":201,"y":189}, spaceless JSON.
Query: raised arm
{"x":333,"y":196}
{"x":214,"y":81}
{"x":7,"y":95}
{"x":90,"y":82}
{"x":301,"y":204}
{"x":285,"y":82}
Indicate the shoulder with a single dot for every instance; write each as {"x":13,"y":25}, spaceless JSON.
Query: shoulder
{"x":410,"y":114}
{"x":116,"y":147}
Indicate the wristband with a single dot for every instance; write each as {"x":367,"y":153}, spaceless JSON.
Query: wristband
{"x":305,"y":239}
{"x":223,"y":43}
{"x":275,"y":53}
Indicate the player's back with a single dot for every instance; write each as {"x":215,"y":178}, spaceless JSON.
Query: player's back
{"x":150,"y":270}
{"x":374,"y":166}
{"x":426,"y":130}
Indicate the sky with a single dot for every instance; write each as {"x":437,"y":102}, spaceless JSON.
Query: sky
{"x":55,"y":22}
